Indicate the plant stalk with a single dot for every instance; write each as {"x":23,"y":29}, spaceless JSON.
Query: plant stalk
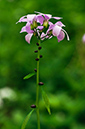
{"x":37,"y":93}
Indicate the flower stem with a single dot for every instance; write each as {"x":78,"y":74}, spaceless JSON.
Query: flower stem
{"x":37,"y":93}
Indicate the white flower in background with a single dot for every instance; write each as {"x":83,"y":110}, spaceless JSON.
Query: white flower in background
{"x":83,"y":38}
{"x":6,"y":93}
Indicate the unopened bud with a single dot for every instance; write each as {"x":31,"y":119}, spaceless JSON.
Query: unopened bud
{"x":35,"y":34}
{"x":31,"y":26}
{"x":45,"y":23}
{"x":35,"y":24}
{"x":33,"y":106}
{"x":41,"y":83}
{"x":37,"y":59}
{"x":36,"y":51}
{"x":39,"y":48}
{"x":37,"y":44}
{"x":35,"y":70}
{"x":41,"y":56}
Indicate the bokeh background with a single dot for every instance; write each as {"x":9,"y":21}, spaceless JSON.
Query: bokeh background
{"x":62,"y":68}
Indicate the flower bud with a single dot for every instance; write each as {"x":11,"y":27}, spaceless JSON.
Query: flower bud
{"x":37,"y":59}
{"x":45,"y":23}
{"x":35,"y":34}
{"x":36,"y":51}
{"x":39,"y":48}
{"x":37,"y":44}
{"x":35,"y":70}
{"x":33,"y":106}
{"x":31,"y":26}
{"x":41,"y":83}
{"x":35,"y":24}
{"x":41,"y":56}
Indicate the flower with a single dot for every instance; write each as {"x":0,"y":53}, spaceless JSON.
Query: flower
{"x":83,"y":38}
{"x":59,"y":32}
{"x":40,"y":26}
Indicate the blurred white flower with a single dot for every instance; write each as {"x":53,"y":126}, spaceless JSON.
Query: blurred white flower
{"x":6,"y":93}
{"x":83,"y":38}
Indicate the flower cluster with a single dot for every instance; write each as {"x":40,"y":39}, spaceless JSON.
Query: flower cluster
{"x":39,"y":25}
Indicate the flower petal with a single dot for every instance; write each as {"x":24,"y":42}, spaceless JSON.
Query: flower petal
{"x":57,"y":18}
{"x":61,"y":36}
{"x":43,"y":36}
{"x":28,"y":37}
{"x":23,"y":29}
{"x":22,"y":19}
{"x":50,"y":23}
{"x":40,"y":27}
{"x":66,"y":34}
{"x":56,"y":30}
{"x":47,"y":16}
{"x":30,"y":17}
{"x":28,"y":29}
{"x":40,"y":19}
{"x":59,"y":23}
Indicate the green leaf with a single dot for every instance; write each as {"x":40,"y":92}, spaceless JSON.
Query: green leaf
{"x":29,"y":75}
{"x":46,"y":100}
{"x":26,"y":120}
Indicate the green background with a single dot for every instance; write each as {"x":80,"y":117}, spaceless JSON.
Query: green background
{"x":62,"y":68}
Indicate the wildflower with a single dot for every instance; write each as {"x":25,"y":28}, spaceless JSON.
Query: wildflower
{"x":40,"y":26}
{"x":83,"y":38}
{"x":57,"y":30}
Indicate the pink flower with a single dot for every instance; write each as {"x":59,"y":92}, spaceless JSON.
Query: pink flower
{"x":59,"y":32}
{"x":40,"y":26}
{"x":83,"y":38}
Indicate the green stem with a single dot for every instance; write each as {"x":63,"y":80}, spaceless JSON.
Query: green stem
{"x":37,"y":94}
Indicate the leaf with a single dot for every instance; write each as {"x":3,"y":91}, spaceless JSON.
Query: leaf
{"x":29,"y":75}
{"x":26,"y":120}
{"x":46,"y":101}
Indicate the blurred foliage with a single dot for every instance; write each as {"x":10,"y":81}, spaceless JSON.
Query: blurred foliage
{"x":62,"y":68}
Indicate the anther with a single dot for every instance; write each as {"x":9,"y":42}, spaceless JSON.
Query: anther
{"x":33,"y":106}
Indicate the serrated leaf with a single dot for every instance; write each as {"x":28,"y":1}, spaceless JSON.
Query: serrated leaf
{"x":26,"y":120}
{"x":46,"y":101}
{"x":29,"y":75}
